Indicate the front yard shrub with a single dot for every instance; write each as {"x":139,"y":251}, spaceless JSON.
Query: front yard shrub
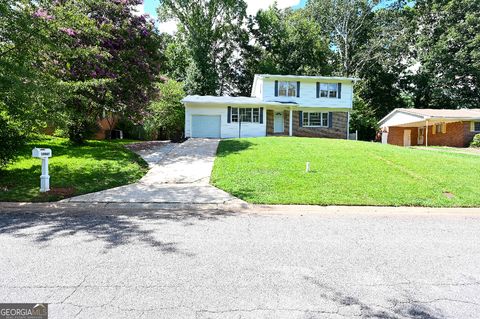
{"x":11,"y":140}
{"x":476,"y":141}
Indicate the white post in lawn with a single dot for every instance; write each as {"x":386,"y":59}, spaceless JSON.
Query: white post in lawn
{"x":44,"y":154}
{"x":307,"y":168}
{"x":290,"y":123}
{"x":426,"y":133}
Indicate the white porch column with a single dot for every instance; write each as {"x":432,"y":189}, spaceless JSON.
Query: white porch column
{"x":290,"y":123}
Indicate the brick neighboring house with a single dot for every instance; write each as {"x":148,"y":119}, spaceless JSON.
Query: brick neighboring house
{"x":430,"y":127}
{"x":291,"y":105}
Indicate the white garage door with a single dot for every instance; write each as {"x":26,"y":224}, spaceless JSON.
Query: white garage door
{"x":206,"y":126}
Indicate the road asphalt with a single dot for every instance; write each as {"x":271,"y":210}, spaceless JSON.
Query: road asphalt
{"x":213,"y":261}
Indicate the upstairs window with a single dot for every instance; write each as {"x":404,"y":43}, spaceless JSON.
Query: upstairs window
{"x":246,"y":115}
{"x":287,"y":88}
{"x":315,"y":119}
{"x":328,"y":90}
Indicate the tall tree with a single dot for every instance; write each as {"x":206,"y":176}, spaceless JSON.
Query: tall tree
{"x":289,"y":43}
{"x":448,"y":52}
{"x":348,"y":24}
{"x":211,"y":27}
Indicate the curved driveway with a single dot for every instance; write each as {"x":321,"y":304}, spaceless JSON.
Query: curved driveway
{"x":179,"y":173}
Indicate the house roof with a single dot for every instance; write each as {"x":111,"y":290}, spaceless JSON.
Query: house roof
{"x":208,"y":99}
{"x":304,"y":77}
{"x":403,"y":117}
{"x":443,"y":113}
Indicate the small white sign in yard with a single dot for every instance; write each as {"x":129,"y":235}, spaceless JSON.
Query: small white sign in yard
{"x":44,"y":154}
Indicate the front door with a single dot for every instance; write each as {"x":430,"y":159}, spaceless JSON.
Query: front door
{"x":421,"y":135}
{"x":278,"y":122}
{"x":407,"y":137}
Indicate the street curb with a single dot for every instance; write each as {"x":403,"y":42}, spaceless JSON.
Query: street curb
{"x":120,"y":206}
{"x":239,"y":207}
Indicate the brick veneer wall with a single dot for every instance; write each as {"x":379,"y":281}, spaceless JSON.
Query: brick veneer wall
{"x":270,"y":122}
{"x":338,"y":130}
{"x":458,"y":135}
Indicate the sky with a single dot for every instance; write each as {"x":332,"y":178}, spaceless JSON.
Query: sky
{"x":150,"y":7}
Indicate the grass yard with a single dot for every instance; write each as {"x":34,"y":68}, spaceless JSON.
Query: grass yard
{"x":271,"y":170}
{"x":74,"y":170}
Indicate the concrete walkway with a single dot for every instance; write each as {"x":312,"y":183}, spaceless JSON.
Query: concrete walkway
{"x":179,"y":173}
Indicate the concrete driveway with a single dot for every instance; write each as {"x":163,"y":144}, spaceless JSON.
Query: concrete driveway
{"x":179,"y":173}
{"x":198,"y":263}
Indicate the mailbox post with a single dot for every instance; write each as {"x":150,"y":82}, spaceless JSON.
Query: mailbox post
{"x":44,"y":154}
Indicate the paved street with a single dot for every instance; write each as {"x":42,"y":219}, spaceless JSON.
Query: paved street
{"x":137,"y":262}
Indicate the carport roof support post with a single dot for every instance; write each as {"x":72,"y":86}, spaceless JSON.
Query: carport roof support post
{"x":426,"y":133}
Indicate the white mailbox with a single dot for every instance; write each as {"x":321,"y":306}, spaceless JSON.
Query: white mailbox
{"x":44,"y":154}
{"x":41,"y":152}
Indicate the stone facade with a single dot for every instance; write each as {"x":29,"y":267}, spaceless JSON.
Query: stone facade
{"x":338,"y":129}
{"x":457,"y":135}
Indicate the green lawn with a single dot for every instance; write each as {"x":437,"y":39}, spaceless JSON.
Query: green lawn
{"x":271,"y":170}
{"x":74,"y":170}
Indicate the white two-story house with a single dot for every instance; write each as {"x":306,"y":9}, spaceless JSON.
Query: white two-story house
{"x":314,"y":106}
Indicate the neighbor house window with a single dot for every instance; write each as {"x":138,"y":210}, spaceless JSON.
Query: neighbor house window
{"x":476,"y":126}
{"x":440,"y":128}
{"x":315,"y":119}
{"x":245,"y":114}
{"x":329,"y":90}
{"x":287,"y":88}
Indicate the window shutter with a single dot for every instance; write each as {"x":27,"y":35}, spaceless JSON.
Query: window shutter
{"x":444,"y":128}
{"x":318,"y":90}
{"x":434,"y":129}
{"x":261,"y":115}
{"x":276,"y":88}
{"x":229,"y":114}
{"x":339,"y":90}
{"x":472,"y":126}
{"x":300,"y":119}
{"x":330,"y":119}
{"x":298,"y":88}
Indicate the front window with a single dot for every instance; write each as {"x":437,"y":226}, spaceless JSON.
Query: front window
{"x":245,"y":114}
{"x":328,"y":90}
{"x":439,"y":128}
{"x":287,"y":89}
{"x":476,"y":126}
{"x":315,"y":119}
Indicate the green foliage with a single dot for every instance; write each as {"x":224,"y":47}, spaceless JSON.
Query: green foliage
{"x":448,"y":49}
{"x":363,"y":120}
{"x":287,"y":42}
{"x":167,"y":111}
{"x":476,"y":141}
{"x":11,"y":139}
{"x":211,"y":29}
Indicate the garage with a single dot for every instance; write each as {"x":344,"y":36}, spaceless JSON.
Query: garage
{"x":206,"y":126}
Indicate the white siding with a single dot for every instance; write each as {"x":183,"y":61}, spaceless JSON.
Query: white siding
{"x":258,"y":89}
{"x":227,"y":130}
{"x":308,"y":95}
